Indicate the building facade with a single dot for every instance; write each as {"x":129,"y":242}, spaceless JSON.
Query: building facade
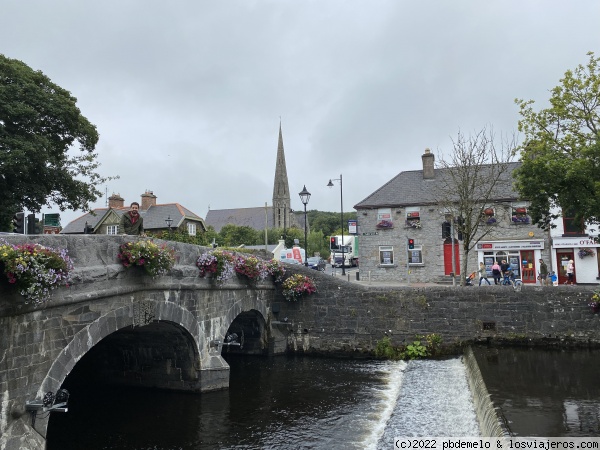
{"x":403,"y":213}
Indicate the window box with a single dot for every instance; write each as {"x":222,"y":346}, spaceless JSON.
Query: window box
{"x":384,"y":224}
{"x":413,"y":223}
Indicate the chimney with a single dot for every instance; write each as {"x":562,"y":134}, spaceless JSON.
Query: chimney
{"x":116,"y":201}
{"x":148,"y":200}
{"x":428,"y":160}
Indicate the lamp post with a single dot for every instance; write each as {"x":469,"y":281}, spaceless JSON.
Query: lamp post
{"x":169,"y":222}
{"x":305,"y":197}
{"x":330,"y":184}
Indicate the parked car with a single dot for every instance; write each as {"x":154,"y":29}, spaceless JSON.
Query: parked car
{"x":317,"y":263}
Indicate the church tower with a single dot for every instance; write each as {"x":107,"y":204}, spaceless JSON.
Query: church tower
{"x":281,"y":189}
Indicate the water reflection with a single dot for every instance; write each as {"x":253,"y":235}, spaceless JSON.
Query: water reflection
{"x":544,"y":392}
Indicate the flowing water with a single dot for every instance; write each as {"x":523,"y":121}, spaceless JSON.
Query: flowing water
{"x":276,"y":403}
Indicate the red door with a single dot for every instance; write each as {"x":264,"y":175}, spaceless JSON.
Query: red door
{"x":448,"y":258}
{"x":528,"y":267}
{"x":562,"y":259}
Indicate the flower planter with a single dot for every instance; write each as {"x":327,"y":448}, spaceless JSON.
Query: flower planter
{"x":521,"y":210}
{"x":488,"y":211}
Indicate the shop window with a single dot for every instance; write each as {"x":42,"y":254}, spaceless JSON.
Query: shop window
{"x":519,"y":215}
{"x":415,"y":256}
{"x":386,"y":255}
{"x":489,"y":216}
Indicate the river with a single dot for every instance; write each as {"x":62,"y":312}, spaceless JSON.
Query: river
{"x":293,"y":402}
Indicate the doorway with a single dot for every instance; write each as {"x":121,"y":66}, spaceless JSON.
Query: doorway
{"x":448,"y":257}
{"x":562,"y":259}
{"x":528,"y":267}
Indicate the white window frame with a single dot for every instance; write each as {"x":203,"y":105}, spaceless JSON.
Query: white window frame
{"x":191,"y":227}
{"x":419,"y":249}
{"x":386,"y":248}
{"x":112,"y":229}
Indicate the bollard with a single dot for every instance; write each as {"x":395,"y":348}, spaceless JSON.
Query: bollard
{"x":357,"y":276}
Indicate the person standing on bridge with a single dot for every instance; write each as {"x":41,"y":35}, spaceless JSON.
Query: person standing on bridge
{"x":131,"y":221}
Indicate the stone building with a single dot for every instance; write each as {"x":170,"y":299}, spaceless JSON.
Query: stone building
{"x":157,"y":217}
{"x":405,"y":208}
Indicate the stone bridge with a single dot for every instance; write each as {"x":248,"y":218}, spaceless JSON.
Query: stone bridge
{"x":167,"y":332}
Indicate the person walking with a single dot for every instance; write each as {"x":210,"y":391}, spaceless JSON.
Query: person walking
{"x":543,"y":273}
{"x":483,"y":274}
{"x":131,"y":221}
{"x":496,"y":272}
{"x":570,"y":272}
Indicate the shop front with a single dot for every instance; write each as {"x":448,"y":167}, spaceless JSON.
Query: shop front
{"x":523,"y":256}
{"x":584,"y":253}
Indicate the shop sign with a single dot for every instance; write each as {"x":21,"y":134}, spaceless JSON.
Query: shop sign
{"x":511,"y":245}
{"x":574,"y":242}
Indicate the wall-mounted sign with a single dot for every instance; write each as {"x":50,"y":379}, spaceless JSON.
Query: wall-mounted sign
{"x":352,"y":226}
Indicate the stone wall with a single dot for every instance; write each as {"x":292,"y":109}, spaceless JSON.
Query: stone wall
{"x":350,"y":318}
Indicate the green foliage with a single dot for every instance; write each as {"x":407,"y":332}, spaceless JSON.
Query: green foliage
{"x":421,"y":347}
{"x":416,"y":350}
{"x":561,"y":152}
{"x":385,"y":349}
{"x":234,"y":235}
{"x":46,"y":144}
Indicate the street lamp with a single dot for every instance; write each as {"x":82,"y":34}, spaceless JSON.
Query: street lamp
{"x":330,"y":184}
{"x":169,"y":222}
{"x":305,"y":197}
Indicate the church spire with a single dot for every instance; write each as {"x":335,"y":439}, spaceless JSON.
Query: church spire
{"x":281,"y":189}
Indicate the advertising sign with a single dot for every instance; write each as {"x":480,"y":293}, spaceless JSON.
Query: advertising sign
{"x":352,"y":226}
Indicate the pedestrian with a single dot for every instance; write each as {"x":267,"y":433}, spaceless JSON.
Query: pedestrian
{"x":131,"y":221}
{"x":570,"y":272}
{"x":496,"y":272}
{"x":483,"y":274}
{"x":504,"y":267}
{"x":543,"y":276}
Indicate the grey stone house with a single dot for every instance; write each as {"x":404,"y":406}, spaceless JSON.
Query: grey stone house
{"x":405,"y":208}
{"x":156,"y":217}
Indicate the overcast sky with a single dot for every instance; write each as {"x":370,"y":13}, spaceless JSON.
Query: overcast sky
{"x":188,"y":95}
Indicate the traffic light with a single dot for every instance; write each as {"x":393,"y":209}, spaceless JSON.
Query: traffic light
{"x":411,"y":244}
{"x":31,"y":224}
{"x":18,"y":222}
{"x":333,"y":243}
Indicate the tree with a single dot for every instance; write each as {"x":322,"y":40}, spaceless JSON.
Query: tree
{"x":234,"y":235}
{"x":473,"y":176}
{"x":41,"y":130}
{"x":561,"y":152}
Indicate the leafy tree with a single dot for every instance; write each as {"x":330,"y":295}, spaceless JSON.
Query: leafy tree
{"x":39,"y":125}
{"x":561,"y":152}
{"x":233,"y":235}
{"x":472,"y":175}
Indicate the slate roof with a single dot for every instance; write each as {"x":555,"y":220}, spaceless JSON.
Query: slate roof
{"x":154,"y":218}
{"x":410,"y":189}
{"x":250,"y":217}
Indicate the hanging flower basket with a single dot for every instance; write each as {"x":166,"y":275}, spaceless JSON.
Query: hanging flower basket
{"x":153,"y":258}
{"x":35,"y":270}
{"x":296,"y":286}
{"x":521,"y":210}
{"x":385,"y":224}
{"x":488,"y":211}
{"x":585,"y":252}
